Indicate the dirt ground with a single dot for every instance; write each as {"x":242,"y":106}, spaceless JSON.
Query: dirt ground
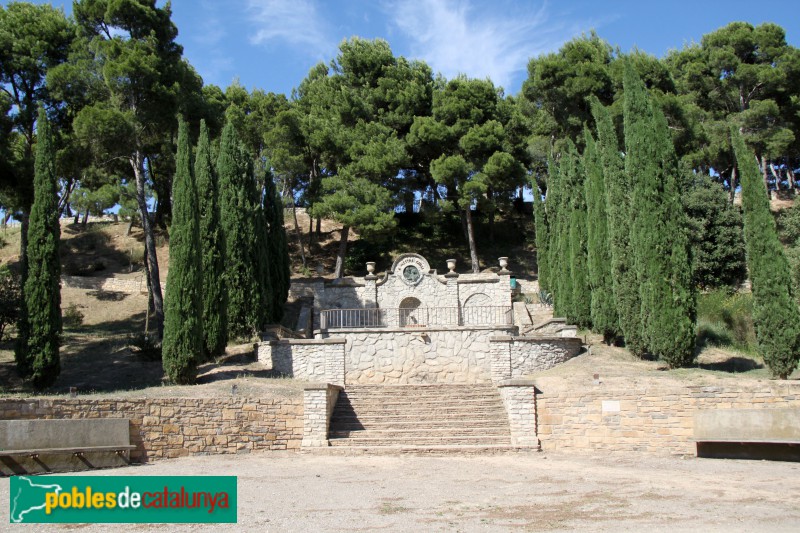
{"x":540,"y":492}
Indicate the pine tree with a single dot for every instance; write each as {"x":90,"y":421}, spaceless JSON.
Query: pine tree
{"x":620,"y":214}
{"x":776,"y":316}
{"x":658,"y":230}
{"x":603,"y":309}
{"x":215,"y":298}
{"x":235,"y":172}
{"x":542,"y":237}
{"x":581,"y":301}
{"x":279,"y":249}
{"x":39,"y":358}
{"x":182,"y":347}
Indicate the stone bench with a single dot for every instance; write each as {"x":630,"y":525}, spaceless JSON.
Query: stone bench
{"x":33,"y":446}
{"x":748,"y":433}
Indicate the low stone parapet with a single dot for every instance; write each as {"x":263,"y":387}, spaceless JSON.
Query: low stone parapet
{"x":307,"y":359}
{"x":514,"y":357}
{"x":519,"y":397}
{"x":319,"y":399}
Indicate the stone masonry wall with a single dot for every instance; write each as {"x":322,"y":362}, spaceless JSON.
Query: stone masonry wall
{"x":636,"y":419}
{"x":306,"y":359}
{"x":176,"y":427}
{"x":430,"y":355}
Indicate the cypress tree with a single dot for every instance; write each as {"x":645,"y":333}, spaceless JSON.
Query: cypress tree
{"x":658,"y":231}
{"x":279,"y":248}
{"x":182,"y":347}
{"x":558,"y":248}
{"x":620,"y":214}
{"x":39,"y":358}
{"x":775,"y":313}
{"x":603,"y":309}
{"x":542,"y":236}
{"x":235,"y":172}
{"x":577,"y":236}
{"x":263,"y":299}
{"x":215,"y":297}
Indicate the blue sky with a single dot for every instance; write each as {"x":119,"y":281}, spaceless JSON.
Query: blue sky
{"x":271,"y":44}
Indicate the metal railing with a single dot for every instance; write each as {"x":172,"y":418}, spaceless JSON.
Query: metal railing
{"x":417,"y":317}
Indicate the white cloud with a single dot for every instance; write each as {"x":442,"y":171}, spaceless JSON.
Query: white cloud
{"x":295,"y":22}
{"x":494,"y":41}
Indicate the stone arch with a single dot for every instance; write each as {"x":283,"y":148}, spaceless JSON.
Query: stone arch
{"x":475,"y":309}
{"x":408,"y":311}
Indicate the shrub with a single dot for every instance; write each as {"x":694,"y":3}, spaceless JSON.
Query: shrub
{"x":72,"y":316}
{"x":725,"y":319}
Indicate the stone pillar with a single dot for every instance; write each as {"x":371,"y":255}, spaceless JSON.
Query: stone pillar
{"x":334,"y":360}
{"x":370,"y":291}
{"x":319,"y":400}
{"x":519,"y":397}
{"x":452,"y":292}
{"x":500,"y":357}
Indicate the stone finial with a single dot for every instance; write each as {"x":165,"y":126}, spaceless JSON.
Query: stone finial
{"x":370,"y":270}
{"x":503,"y":265}
{"x":451,"y":266}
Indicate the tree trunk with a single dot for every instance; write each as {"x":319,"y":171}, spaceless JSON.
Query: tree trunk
{"x":297,"y":233}
{"x":151,"y":263}
{"x":473,"y":250}
{"x":319,"y":228}
{"x":23,"y":247}
{"x":765,"y":174}
{"x":340,"y":255}
{"x":733,"y":184}
{"x":310,"y":232}
{"x":85,"y":219}
{"x":130,"y":227}
{"x":790,"y":174}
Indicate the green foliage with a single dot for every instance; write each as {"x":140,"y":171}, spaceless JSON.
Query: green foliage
{"x":212,"y":241}
{"x":603,"y":307}
{"x":658,"y":230}
{"x":238,"y":217}
{"x":39,"y":357}
{"x":542,"y":236}
{"x":264,"y":304}
{"x":577,"y":237}
{"x":725,"y":319}
{"x":623,"y":272}
{"x":73,"y":317}
{"x":776,"y":316}
{"x":10,"y":298}
{"x":182,"y":345}
{"x":715,"y":233}
{"x":278,"y":249}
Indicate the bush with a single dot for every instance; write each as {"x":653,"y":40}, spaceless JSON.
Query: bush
{"x":10,"y":298}
{"x":72,"y":317}
{"x":726,"y":320}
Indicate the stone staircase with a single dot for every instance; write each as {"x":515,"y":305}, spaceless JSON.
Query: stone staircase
{"x":420,"y":418}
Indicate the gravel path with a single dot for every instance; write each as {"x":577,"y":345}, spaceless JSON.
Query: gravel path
{"x":541,"y":492}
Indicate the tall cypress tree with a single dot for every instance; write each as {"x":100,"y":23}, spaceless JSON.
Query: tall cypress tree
{"x":263,"y":299}
{"x":558,"y":248}
{"x":542,"y":236}
{"x":235,"y":171}
{"x":581,"y":301}
{"x":38,"y":352}
{"x":182,"y":347}
{"x":775,"y":313}
{"x":603,"y":309}
{"x":279,"y":249}
{"x":212,"y":242}
{"x":620,"y":216}
{"x":658,"y":230}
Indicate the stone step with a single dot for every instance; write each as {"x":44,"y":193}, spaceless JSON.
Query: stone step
{"x":390,"y":433}
{"x":440,"y":398}
{"x":483,"y":440}
{"x":424,"y":412}
{"x":457,"y":449}
{"x":414,"y":423}
{"x":344,"y":400}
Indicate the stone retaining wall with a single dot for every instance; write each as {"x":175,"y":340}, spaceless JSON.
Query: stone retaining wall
{"x":526,"y":355}
{"x":636,"y":419}
{"x":176,"y":427}
{"x":110,"y":284}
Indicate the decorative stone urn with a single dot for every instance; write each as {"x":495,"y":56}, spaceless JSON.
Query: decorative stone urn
{"x":503,"y":265}
{"x":451,"y":265}
{"x":371,"y":267}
